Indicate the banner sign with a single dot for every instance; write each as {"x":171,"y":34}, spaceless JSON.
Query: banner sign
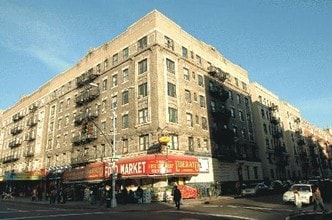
{"x":90,"y":172}
{"x":28,"y":175}
{"x":158,"y":164}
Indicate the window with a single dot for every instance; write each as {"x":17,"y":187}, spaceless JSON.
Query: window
{"x":187,"y":95}
{"x":244,"y":86}
{"x":170,"y":65}
{"x":52,"y":109}
{"x":103,"y":126}
{"x":174,"y":142}
{"x":213,"y":106}
{"x":115,"y":59}
{"x":198,"y":60}
{"x":142,"y":66}
{"x":184,"y":52}
{"x":103,"y":106}
{"x":143,"y":142}
{"x":106,"y":64}
{"x":114,"y":80}
{"x":172,"y":115}
{"x":59,"y":123}
{"x":98,"y":69}
{"x":125,"y":97}
{"x":189,"y":118}
{"x":230,"y":94}
{"x":191,"y":143}
{"x":143,"y":115}
{"x":104,"y":84}
{"x":114,"y":102}
{"x":263,"y":113}
{"x":143,"y":42}
{"x":256,"y":172}
{"x":265,"y":128}
{"x":171,"y":89}
{"x":238,"y":97}
{"x":236,"y":81}
{"x":198,"y":143}
{"x":125,"y":75}
{"x":233,"y":112}
{"x":200,"y":80}
{"x":185,"y":74}
{"x":241,"y":116}
{"x":169,"y":43}
{"x":246,"y":102}
{"x":204,"y":123}
{"x":235,"y":130}
{"x":243,"y":133}
{"x":143,"y":89}
{"x":202,"y":101}
{"x":205,"y":144}
{"x":125,"y":145}
{"x":67,"y":120}
{"x":125,"y":53}
{"x":68,"y":103}
{"x":125,"y":121}
{"x":196,"y":119}
{"x":60,"y":106}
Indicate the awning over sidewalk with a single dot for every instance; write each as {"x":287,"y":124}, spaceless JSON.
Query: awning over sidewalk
{"x":27,"y":175}
{"x":158,"y":165}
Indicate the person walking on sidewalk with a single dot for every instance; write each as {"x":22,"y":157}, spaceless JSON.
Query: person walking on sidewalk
{"x":318,"y":200}
{"x":297,"y":201}
{"x":177,"y":197}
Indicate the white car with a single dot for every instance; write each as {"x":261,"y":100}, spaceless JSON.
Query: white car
{"x":305,"y":191}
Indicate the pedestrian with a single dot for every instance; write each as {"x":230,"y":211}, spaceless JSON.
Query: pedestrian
{"x":34,"y":195}
{"x":238,"y":187}
{"x":139,"y":194}
{"x":177,"y":197}
{"x":317,"y":199}
{"x":297,"y":201}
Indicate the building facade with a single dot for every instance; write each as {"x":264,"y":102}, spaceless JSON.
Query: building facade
{"x":172,"y":108}
{"x":288,"y":145}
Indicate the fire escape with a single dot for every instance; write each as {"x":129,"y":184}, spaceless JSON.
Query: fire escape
{"x":84,"y":120}
{"x":221,"y":134}
{"x":280,"y":154}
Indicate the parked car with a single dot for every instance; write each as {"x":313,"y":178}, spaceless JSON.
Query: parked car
{"x":305,"y":191}
{"x":255,"y":189}
{"x":277,"y":187}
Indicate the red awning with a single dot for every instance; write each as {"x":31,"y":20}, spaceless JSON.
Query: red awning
{"x":158,"y":164}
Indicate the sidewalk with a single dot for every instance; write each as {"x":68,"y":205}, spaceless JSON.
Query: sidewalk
{"x":120,"y":207}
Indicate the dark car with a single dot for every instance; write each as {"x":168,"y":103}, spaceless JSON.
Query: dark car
{"x":255,"y":189}
{"x":277,"y":187}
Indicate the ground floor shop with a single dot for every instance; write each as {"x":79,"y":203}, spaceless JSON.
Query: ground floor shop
{"x":24,"y":184}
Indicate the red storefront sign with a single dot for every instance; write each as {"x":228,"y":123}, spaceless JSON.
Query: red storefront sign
{"x":90,"y":172}
{"x":158,"y":164}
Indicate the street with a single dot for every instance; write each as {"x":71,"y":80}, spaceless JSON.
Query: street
{"x":267,"y":207}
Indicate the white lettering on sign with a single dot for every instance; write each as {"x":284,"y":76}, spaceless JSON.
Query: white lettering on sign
{"x":133,"y":168}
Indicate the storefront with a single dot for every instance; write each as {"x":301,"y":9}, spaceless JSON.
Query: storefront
{"x":77,"y":180}
{"x":22,"y":183}
{"x":157,"y":173}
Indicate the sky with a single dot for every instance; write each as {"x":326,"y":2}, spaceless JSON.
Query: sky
{"x":285,"y":45}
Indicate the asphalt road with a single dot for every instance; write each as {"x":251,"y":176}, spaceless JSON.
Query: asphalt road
{"x":267,"y":207}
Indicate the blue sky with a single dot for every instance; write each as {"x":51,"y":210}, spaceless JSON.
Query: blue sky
{"x":285,"y":45}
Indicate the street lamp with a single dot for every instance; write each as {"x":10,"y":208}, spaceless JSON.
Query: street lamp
{"x":113,"y":201}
